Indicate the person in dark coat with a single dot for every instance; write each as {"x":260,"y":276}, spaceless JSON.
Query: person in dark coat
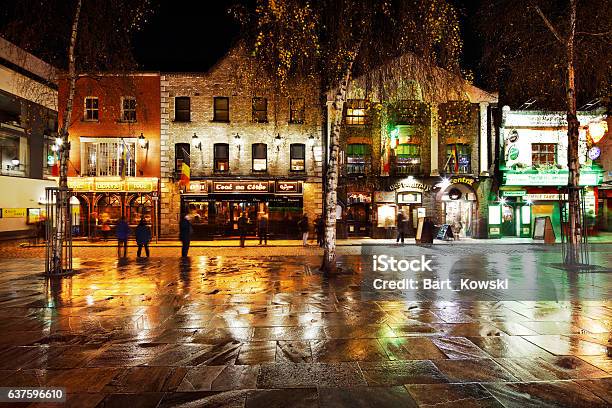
{"x":401,"y":228}
{"x":320,"y":229}
{"x":143,"y":237}
{"x":185,"y":232}
{"x":242,"y":228}
{"x":262,"y":229}
{"x":123,"y":233}
{"x":303,"y":227}
{"x":427,"y":235}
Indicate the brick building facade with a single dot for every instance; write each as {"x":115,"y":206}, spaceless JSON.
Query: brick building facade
{"x":250,"y":150}
{"x":114,"y":136}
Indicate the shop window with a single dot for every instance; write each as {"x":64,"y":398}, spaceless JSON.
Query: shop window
{"x":543,"y":154}
{"x":298,"y":157}
{"x":14,"y":151}
{"x":116,"y":158}
{"x":357,"y":158}
{"x":260,"y":157}
{"x":296,"y":110}
{"x":221,"y":109}
{"x":260,"y":110}
{"x":181,"y":155}
{"x":221,"y":157}
{"x":182,"y":109}
{"x":408,"y":158}
{"x":92,"y":112}
{"x":457,"y":159}
{"x":128,"y":109}
{"x":356,"y":112}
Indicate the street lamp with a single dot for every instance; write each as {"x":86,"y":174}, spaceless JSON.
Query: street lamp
{"x":196,"y":142}
{"x":277,"y":141}
{"x":142,"y":142}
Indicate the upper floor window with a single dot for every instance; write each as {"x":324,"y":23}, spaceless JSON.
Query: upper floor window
{"x":110,"y":157}
{"x":357,"y":156}
{"x":181,"y":155}
{"x":182,"y":109}
{"x":221,"y":157}
{"x":408,"y":158}
{"x":260,"y":110}
{"x":91,"y":108}
{"x":356,"y":112}
{"x":221,"y":109}
{"x":543,"y":154}
{"x":297,"y":157}
{"x":297,"y":111}
{"x":410,"y":112}
{"x":128,"y":109}
{"x":457,"y":158}
{"x":260,"y":157}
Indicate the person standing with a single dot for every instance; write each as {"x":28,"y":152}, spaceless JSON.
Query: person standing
{"x":457,"y":227}
{"x":401,"y":228}
{"x":303,"y":228}
{"x":123,"y":233}
{"x":427,"y":235}
{"x":262,"y":229}
{"x":105,"y":230}
{"x":320,"y":230}
{"x":185,"y":232}
{"x":143,"y":237}
{"x":242,"y":228}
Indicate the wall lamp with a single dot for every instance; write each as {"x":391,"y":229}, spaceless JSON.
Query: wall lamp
{"x":196,"y":142}
{"x":142,"y":142}
{"x":277,"y":141}
{"x":237,"y":140}
{"x":311,"y":142}
{"x":15,"y":162}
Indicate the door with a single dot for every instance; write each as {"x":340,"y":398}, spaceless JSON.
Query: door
{"x":508,"y":221}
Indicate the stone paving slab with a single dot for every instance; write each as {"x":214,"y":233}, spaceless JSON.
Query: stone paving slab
{"x":262,"y":328}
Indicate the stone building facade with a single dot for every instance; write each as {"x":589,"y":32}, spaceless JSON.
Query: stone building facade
{"x":249,"y":149}
{"x":418,"y":155}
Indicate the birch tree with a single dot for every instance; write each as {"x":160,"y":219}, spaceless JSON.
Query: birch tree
{"x":558,"y":52}
{"x":334,"y":40}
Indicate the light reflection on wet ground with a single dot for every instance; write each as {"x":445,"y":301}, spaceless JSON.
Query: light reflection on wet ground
{"x":258,"y":328}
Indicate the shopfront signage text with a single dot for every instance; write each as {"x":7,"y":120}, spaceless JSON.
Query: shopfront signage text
{"x":287,"y":187}
{"x":410,"y":184}
{"x":384,"y":196}
{"x":241,"y":187}
{"x":14,"y":212}
{"x":109,"y":186}
{"x":462,"y":180}
{"x":102,"y":185}
{"x":514,"y":193}
{"x":545,"y":197}
{"x":135,"y":185}
{"x":547,"y":179}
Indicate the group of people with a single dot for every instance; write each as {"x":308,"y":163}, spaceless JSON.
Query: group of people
{"x":142,"y":233}
{"x":262,"y":229}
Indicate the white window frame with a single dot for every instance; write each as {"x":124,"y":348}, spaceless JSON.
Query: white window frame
{"x":85,"y":109}
{"x":132,"y":163}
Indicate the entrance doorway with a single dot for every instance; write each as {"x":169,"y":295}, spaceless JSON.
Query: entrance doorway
{"x":458,"y":213}
{"x":508,"y":228}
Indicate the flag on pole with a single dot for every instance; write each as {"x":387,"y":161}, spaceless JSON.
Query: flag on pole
{"x":185,"y":169}
{"x":455,"y":158}
{"x":125,"y":158}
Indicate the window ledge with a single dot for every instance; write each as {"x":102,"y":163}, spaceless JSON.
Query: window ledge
{"x":91,"y":120}
{"x":126,"y":121}
{"x":181,"y":121}
{"x":219,"y":121}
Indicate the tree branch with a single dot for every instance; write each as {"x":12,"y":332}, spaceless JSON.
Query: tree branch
{"x":549,"y":25}
{"x":594,"y":34}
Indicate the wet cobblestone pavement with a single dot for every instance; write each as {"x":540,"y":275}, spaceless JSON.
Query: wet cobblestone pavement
{"x":261,"y":327}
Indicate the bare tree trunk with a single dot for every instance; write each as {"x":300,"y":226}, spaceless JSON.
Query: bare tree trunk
{"x":62,"y":199}
{"x":572,"y":139}
{"x":331,"y":177}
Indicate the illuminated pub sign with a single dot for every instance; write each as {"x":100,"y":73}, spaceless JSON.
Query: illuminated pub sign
{"x":101,"y":185}
{"x":248,"y":187}
{"x":549,"y":179}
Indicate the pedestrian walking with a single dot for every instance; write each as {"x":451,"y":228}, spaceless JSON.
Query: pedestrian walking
{"x":185,"y":232}
{"x":262,"y":229}
{"x":401,"y":228}
{"x":457,"y":227}
{"x":242,"y":228}
{"x":320,"y":230}
{"x":427,"y":235}
{"x":303,"y":228}
{"x":123,"y":233}
{"x":143,"y":237}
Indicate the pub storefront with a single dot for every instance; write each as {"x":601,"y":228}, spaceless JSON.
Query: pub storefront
{"x":215,"y":206}
{"x":98,"y":203}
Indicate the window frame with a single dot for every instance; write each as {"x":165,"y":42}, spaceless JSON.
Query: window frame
{"x":184,"y":111}
{"x":292,"y":158}
{"x":216,"y":111}
{"x":351,"y":118}
{"x":124,"y":110}
{"x":217,"y":159}
{"x":255,"y":111}
{"x":254,"y":146}
{"x":460,"y":152}
{"x":362,"y":162}
{"x":539,"y":152}
{"x":410,"y":168}
{"x":111,"y":162}
{"x":92,"y":109}
{"x":301,"y":117}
